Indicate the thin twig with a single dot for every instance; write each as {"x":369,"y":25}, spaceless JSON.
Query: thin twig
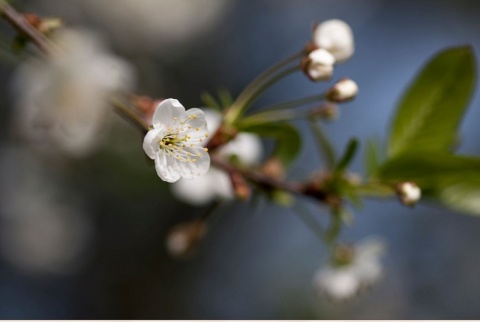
{"x":45,"y":45}
{"x":21,"y":24}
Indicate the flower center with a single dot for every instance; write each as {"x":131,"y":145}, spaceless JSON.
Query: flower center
{"x":179,"y":140}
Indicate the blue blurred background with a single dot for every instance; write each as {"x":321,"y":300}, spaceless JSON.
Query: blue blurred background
{"x":253,"y":264}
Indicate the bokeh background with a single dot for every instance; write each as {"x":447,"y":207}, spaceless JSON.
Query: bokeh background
{"x":95,"y":248}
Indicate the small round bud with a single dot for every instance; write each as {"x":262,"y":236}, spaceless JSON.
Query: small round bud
{"x":182,"y":239}
{"x":336,"y":36}
{"x":326,"y":111}
{"x":409,"y":193}
{"x":318,"y":65}
{"x":344,"y":90}
{"x":240,"y":186}
{"x":273,"y":168}
{"x":48,"y":25}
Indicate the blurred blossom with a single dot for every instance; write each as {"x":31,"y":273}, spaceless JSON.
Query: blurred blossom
{"x":215,"y":183}
{"x":336,"y":36}
{"x":156,"y":24}
{"x":408,"y":193}
{"x":184,"y":238}
{"x":62,"y":101}
{"x":353,"y":269}
{"x":41,"y":230}
{"x":176,"y":141}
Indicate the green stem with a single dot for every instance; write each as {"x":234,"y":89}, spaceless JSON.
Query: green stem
{"x":304,"y":214}
{"x":323,"y":144}
{"x":375,"y":190}
{"x":249,"y":96}
{"x":264,"y":75}
{"x":295,"y":103}
{"x":334,"y":229}
{"x":271,"y":116}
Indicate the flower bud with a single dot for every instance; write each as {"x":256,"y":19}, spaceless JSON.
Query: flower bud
{"x":318,"y":65}
{"x":336,"y":36}
{"x":273,"y":168}
{"x":44,"y":25}
{"x":344,"y":90}
{"x":326,"y":111}
{"x":183,"y":238}
{"x":240,"y":186}
{"x":409,"y":193}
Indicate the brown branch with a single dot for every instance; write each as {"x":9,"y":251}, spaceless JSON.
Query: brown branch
{"x":21,"y":24}
{"x":312,"y":189}
{"x":268,"y":183}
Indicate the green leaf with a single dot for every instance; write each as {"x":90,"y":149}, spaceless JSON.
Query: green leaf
{"x":282,"y":198}
{"x":225,"y":97}
{"x":373,"y":157}
{"x":452,"y":180}
{"x":462,"y":195}
{"x":427,"y":168}
{"x":433,"y":106}
{"x":210,"y":101}
{"x":347,"y":156}
{"x":287,"y":139}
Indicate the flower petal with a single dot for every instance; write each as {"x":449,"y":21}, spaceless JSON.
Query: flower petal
{"x":197,"y":118}
{"x":213,"y":119}
{"x":167,"y":167}
{"x":222,"y":183}
{"x":197,"y":191}
{"x":247,"y":147}
{"x":337,"y":283}
{"x":150,"y":142}
{"x":198,"y":167}
{"x":168,"y":113}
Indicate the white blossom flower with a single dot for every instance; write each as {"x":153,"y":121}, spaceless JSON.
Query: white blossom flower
{"x":336,"y":36}
{"x":344,"y":90}
{"x":319,"y":65}
{"x":175,"y":142}
{"x":172,"y":23}
{"x":62,"y":101}
{"x":363,"y":269}
{"x":216,"y":184}
{"x":409,"y":193}
{"x":43,"y":228}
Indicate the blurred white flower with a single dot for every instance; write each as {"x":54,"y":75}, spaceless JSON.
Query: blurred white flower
{"x":175,"y":142}
{"x":216,"y":184}
{"x":156,"y":25}
{"x":41,"y":231}
{"x":62,"y":101}
{"x":319,"y":65}
{"x":341,"y":281}
{"x":336,"y":36}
